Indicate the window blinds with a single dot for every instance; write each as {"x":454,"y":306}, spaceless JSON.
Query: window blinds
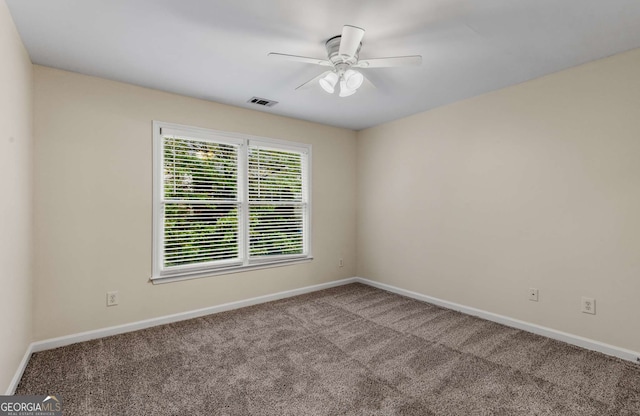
{"x":201,"y":215}
{"x":276,"y":202}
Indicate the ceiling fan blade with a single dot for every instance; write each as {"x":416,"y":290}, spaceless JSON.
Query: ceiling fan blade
{"x":297,"y":58}
{"x":311,"y":82}
{"x":350,"y":40}
{"x":413,"y":60}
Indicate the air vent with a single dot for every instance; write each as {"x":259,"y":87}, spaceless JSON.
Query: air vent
{"x":262,"y":101}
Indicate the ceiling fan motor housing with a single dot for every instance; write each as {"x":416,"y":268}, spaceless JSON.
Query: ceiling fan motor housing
{"x":333,"y":48}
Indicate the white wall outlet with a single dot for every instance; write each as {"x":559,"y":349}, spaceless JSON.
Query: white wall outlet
{"x":112,"y":298}
{"x":533,"y":294}
{"x":588,"y":305}
{"x":340,"y":262}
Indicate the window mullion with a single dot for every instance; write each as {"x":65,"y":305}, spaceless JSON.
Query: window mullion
{"x":243,"y":197}
{"x":306,"y":199}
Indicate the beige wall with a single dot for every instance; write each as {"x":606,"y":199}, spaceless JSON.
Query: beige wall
{"x":93,"y":159}
{"x":536,"y":185}
{"x":16,"y":99}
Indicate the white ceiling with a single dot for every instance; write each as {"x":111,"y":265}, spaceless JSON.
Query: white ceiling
{"x":217,"y":49}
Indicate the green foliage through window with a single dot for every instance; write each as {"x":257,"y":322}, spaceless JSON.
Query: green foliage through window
{"x":201,"y":201}
{"x":275,"y":201}
{"x":205,"y":214}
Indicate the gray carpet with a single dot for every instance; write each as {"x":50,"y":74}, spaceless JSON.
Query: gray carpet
{"x":352,"y":350}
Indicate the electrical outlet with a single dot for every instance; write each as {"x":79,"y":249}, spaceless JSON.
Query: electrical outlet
{"x":533,"y":294}
{"x":588,"y":305}
{"x":340,"y":262}
{"x":112,"y":298}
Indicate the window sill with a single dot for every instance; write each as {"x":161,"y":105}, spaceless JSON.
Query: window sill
{"x":156,"y":280}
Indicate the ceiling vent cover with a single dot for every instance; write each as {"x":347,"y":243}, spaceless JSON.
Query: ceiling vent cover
{"x":262,"y":101}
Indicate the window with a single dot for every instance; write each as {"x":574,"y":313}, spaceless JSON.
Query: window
{"x":225,"y":202}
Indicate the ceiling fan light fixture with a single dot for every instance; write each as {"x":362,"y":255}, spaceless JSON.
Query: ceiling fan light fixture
{"x":353,"y":79}
{"x":328,"y":82}
{"x":345,"y":91}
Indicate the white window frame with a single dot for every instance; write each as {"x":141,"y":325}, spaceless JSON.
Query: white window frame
{"x":162,"y":275}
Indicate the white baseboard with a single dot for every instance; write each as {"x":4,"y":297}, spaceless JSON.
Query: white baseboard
{"x":579,"y":341}
{"x":51,"y":343}
{"x":21,"y":367}
{"x":134,"y":326}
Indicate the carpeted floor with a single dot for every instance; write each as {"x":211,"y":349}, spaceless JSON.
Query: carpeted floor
{"x":352,"y":350}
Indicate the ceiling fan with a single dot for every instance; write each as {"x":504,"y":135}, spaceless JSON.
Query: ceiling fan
{"x":343,"y":56}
